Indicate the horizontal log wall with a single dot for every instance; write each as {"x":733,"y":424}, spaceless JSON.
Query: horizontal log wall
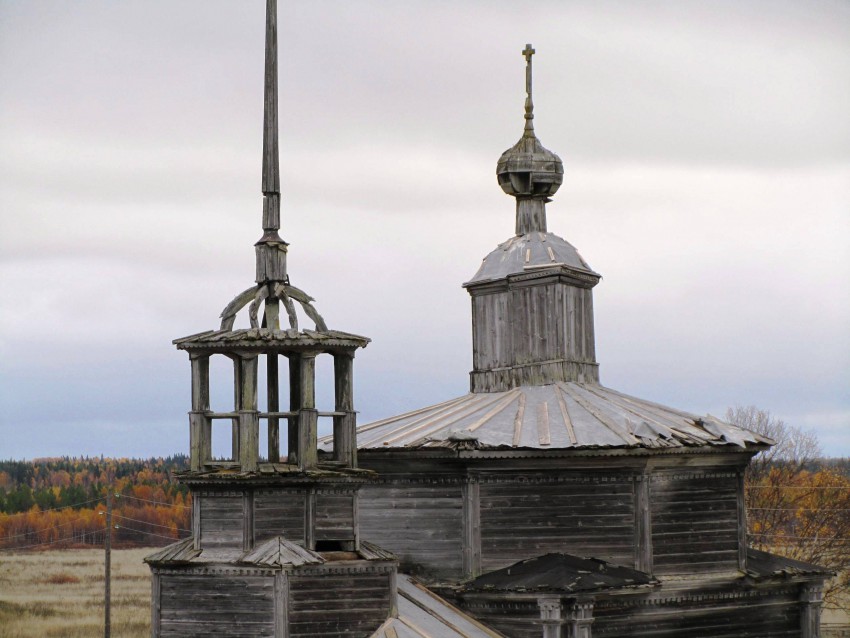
{"x":694,"y":522}
{"x":524,"y":517}
{"x":279,"y":513}
{"x":335,"y":515}
{"x":221,"y":520}
{"x":327,"y":604}
{"x":773,"y":614}
{"x":421,"y":522}
{"x":229,"y":606}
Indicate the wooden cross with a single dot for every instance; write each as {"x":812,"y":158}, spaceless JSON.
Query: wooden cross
{"x":527,"y":52}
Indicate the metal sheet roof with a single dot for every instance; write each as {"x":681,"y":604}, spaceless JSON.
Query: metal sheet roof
{"x":529,"y":252}
{"x":423,"y":614}
{"x":561,"y":573}
{"x":557,"y":416}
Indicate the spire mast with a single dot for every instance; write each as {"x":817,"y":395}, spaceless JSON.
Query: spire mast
{"x":271,"y":166}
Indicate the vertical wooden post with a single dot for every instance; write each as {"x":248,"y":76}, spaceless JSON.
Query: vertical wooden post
{"x":310,"y":518}
{"x":273,"y":395}
{"x":107,"y":545}
{"x":281,"y":604}
{"x":551,"y":617}
{"x":811,"y":600}
{"x":345,"y":435}
{"x":196,"y":519}
{"x":199,"y":423}
{"x":156,"y":603}
{"x":294,"y":406}
{"x":643,"y":525}
{"x":237,"y":406}
{"x":742,"y":522}
{"x":249,"y":422}
{"x":471,"y":552}
{"x":581,"y":618}
{"x":307,"y":415}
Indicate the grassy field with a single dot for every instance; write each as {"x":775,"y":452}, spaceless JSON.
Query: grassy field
{"x":59,"y":594}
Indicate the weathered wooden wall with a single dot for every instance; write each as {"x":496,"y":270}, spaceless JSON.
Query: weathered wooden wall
{"x":419,"y":520}
{"x":718,"y":614}
{"x":198,"y":603}
{"x":239,"y":519}
{"x":331,"y":601}
{"x":279,"y":512}
{"x":523,"y":516}
{"x":221,"y":520}
{"x":516,"y":618}
{"x":694,"y":522}
{"x":528,"y":328}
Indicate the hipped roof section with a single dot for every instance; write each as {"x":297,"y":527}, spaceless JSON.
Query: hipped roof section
{"x":558,"y":416}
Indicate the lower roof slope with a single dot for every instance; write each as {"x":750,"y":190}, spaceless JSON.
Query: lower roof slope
{"x":557,"y":416}
{"x":423,"y":614}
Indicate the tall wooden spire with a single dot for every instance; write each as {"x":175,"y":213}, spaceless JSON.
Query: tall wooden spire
{"x":271,"y":164}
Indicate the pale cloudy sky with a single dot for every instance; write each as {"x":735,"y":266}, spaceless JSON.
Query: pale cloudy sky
{"x":707,"y":157}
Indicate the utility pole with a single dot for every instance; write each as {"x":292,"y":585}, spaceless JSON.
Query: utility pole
{"x":107,"y":629}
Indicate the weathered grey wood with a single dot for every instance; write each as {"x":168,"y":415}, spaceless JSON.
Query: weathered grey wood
{"x":248,"y":520}
{"x":471,"y":527}
{"x":345,"y":425}
{"x":307,"y":413}
{"x":271,"y":168}
{"x":249,"y":422}
{"x":237,"y":406}
{"x":156,"y":605}
{"x":281,"y":604}
{"x":742,"y":522}
{"x":643,"y":525}
{"x":273,"y":401}
{"x":196,"y":521}
{"x":310,"y":518}
{"x":294,"y":406}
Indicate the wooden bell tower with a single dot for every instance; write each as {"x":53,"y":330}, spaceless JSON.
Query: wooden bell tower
{"x":272,"y":528}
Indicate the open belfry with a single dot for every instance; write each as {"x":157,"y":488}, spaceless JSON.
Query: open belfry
{"x":540,"y":504}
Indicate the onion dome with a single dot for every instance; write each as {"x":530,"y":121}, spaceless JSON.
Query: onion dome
{"x":527,"y":169}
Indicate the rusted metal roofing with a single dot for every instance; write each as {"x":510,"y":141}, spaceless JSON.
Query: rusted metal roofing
{"x":557,"y":416}
{"x":263,"y":338}
{"x":275,"y":552}
{"x":762,"y":565}
{"x":561,"y":573}
{"x":528,"y":253}
{"x":423,"y":614}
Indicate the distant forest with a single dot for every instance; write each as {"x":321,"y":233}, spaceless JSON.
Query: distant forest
{"x":61,"y":502}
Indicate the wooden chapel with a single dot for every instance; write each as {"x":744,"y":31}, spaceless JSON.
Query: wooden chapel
{"x":540,"y":504}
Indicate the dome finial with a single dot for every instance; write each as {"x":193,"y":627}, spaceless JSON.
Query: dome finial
{"x":527,"y":170}
{"x":527,"y":52}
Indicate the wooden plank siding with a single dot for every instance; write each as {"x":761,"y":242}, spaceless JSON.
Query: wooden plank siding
{"x":335,"y":517}
{"x":419,"y":521}
{"x":221,"y":520}
{"x":279,"y":512}
{"x":337,"y":602}
{"x":525,"y":517}
{"x":764,"y":614}
{"x":230,"y":606}
{"x":694,"y":522}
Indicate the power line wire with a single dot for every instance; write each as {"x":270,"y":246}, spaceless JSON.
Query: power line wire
{"x":46,"y":529}
{"x":144,"y":500}
{"x":56,"y":509}
{"x":139,"y":531}
{"x":61,"y":540}
{"x":136,"y":520}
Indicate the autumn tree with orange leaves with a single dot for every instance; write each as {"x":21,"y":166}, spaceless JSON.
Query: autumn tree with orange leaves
{"x":796,"y":507}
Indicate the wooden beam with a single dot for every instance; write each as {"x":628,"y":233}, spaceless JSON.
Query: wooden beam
{"x":249,"y":422}
{"x":281,"y":605}
{"x":273,"y":399}
{"x":471,"y":497}
{"x":643,"y":524}
{"x":742,"y":522}
{"x":307,"y":413}
{"x":294,"y":406}
{"x":345,"y":425}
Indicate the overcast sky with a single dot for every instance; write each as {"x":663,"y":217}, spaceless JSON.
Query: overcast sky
{"x":706,"y":149}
